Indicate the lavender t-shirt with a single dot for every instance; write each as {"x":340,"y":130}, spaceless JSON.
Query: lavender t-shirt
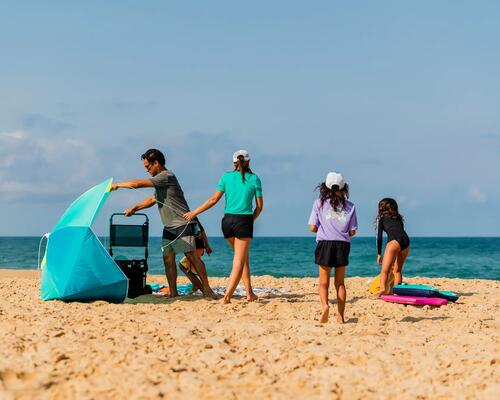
{"x":333,"y":224}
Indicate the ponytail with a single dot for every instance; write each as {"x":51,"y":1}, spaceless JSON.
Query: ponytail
{"x":243,"y":166}
{"x":337,"y":197}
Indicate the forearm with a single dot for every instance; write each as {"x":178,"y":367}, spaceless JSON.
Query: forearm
{"x":205,"y":239}
{"x":133,"y":184}
{"x":259,"y":206}
{"x":379,"y":245}
{"x":257,"y":212}
{"x":146,"y":203}
{"x":379,"y":239}
{"x":205,"y":206}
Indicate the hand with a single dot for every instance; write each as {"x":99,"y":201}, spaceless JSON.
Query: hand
{"x":113,"y":187}
{"x":209,"y":250}
{"x":379,"y":259}
{"x":129,"y":212}
{"x":189,"y":216}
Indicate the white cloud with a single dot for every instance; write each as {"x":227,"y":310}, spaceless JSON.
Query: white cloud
{"x":476,"y":195}
{"x":35,"y":167}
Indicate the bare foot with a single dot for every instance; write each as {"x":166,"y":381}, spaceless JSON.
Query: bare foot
{"x":173,"y":294}
{"x":340,"y":319}
{"x":211,"y":295}
{"x":251,"y":296}
{"x":225,"y":300}
{"x":324,"y":315}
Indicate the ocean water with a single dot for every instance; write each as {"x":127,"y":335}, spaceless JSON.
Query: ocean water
{"x":294,"y":256}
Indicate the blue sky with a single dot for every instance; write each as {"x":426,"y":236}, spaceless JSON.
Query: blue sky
{"x":402,"y":97}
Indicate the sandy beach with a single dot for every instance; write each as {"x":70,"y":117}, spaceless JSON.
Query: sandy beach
{"x":153,"y":347}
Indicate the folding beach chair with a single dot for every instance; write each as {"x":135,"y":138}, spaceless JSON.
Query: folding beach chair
{"x":129,"y":235}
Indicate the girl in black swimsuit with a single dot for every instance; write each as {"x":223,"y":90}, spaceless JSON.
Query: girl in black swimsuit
{"x":398,"y":243}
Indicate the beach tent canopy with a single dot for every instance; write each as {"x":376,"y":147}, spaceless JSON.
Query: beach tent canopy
{"x":76,"y":266}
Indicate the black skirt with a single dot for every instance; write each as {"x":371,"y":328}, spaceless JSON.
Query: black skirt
{"x":332,"y":253}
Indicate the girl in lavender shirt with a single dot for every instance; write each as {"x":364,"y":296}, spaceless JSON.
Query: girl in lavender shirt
{"x":333,"y":218}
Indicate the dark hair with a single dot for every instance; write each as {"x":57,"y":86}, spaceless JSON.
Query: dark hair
{"x":243,"y":165}
{"x":335,"y":195}
{"x":388,"y":207}
{"x":153,"y":155}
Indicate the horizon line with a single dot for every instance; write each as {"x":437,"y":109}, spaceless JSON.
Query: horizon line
{"x":293,"y":236}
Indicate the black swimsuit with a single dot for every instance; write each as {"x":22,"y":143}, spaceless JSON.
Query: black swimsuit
{"x":395,"y":231}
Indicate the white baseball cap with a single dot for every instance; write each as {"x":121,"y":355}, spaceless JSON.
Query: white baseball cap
{"x":243,"y":153}
{"x":334,"y":178}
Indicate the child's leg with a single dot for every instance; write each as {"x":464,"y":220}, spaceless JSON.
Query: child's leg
{"x":341,"y":293}
{"x":199,"y":267}
{"x":197,"y":285}
{"x":324,"y":285}
{"x":398,"y":265}
{"x":390,"y":254}
{"x":186,"y":267}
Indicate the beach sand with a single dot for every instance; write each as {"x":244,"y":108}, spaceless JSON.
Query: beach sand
{"x":274,"y":348}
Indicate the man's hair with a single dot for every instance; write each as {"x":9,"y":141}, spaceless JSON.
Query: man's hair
{"x":153,"y":155}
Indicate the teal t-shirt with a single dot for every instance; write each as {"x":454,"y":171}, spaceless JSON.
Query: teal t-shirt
{"x":239,"y":194}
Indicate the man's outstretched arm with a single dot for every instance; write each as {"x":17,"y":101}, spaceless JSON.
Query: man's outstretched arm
{"x":133,"y":184}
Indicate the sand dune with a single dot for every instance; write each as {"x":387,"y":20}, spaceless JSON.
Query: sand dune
{"x":275,"y":348}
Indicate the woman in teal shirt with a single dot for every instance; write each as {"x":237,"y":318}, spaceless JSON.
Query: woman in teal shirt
{"x":240,"y":186}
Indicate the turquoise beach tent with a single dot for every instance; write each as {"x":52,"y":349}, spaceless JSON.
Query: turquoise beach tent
{"x":76,"y":266}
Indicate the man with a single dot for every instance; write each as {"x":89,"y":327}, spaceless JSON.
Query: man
{"x":178,"y":236}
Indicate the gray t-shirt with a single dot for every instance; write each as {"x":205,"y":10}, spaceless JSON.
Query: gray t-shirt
{"x":169,"y":192}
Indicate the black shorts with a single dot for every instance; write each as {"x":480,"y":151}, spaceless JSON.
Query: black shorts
{"x":237,"y":225}
{"x":181,"y":231}
{"x":332,"y":253}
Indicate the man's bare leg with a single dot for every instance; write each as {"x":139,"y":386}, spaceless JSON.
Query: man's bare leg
{"x":171,"y":273}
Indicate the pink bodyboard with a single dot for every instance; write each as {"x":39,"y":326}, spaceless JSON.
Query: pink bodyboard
{"x":413,"y":300}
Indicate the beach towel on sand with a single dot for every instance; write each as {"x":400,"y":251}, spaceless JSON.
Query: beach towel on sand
{"x":160,"y":290}
{"x":240,"y":291}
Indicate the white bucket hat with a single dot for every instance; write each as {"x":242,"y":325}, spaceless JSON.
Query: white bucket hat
{"x":243,"y":153}
{"x":334,"y":178}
